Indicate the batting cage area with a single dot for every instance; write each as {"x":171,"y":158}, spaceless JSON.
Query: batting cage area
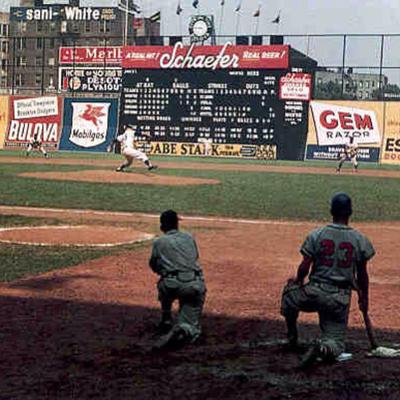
{"x":79,"y":301}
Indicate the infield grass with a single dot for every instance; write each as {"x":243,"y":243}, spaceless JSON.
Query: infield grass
{"x":239,"y":194}
{"x":19,"y":261}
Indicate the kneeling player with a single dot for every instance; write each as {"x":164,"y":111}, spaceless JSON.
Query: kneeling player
{"x":335,"y":261}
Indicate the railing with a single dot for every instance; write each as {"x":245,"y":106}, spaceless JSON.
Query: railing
{"x":362,"y":67}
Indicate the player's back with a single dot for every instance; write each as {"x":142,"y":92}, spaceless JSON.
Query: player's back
{"x":336,"y":250}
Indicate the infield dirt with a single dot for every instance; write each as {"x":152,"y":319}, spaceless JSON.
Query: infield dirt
{"x":86,"y":332}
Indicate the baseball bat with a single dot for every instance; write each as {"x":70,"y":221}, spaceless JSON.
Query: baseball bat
{"x":368,"y":328}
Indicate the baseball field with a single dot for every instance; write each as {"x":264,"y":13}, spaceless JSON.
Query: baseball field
{"x":79,"y":302}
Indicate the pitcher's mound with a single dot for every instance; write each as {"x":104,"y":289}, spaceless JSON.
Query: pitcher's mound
{"x":95,"y":175}
{"x":87,"y":235}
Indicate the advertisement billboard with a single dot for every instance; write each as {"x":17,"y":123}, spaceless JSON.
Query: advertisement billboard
{"x":209,"y":149}
{"x":90,"y":79}
{"x":391,"y":142}
{"x":332,"y":123}
{"x":227,"y":56}
{"x":89,"y":124}
{"x":295,"y":86}
{"x":29,"y":116}
{"x":110,"y":55}
{"x":3,"y":118}
{"x":63,"y":13}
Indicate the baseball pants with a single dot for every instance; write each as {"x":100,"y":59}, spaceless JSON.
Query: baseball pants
{"x":332,"y":305}
{"x":191,"y":296}
{"x":131,"y":154}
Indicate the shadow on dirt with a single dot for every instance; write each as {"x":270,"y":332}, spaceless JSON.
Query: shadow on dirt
{"x":52,"y":349}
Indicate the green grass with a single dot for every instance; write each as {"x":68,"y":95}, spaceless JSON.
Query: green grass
{"x":18,"y":261}
{"x":240,"y":194}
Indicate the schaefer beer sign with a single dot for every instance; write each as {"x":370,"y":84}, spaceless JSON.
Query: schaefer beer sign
{"x":206,"y":57}
{"x":335,"y":124}
{"x":30,"y":116}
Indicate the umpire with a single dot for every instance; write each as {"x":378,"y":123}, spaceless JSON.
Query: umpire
{"x":175,"y":258}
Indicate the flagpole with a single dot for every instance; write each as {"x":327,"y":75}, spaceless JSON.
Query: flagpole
{"x":237,"y":22}
{"x":221,"y":17}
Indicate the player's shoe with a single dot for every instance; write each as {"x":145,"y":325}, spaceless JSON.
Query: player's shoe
{"x":310,"y":356}
{"x":120,"y":169}
{"x":151,"y":167}
{"x":174,"y":340}
{"x":338,"y":170}
{"x":46,"y":156}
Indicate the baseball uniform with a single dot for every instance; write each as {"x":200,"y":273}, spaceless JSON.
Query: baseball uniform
{"x":127,"y":141}
{"x":336,"y":250}
{"x":175,"y":258}
{"x":36,"y":144}
{"x":350,"y":153}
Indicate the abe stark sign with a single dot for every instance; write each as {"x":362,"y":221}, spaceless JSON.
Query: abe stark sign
{"x":335,"y":124}
{"x":295,"y":86}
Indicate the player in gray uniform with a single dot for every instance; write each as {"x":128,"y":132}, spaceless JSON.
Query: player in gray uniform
{"x":335,"y":260}
{"x":175,"y":258}
{"x":350,"y":153}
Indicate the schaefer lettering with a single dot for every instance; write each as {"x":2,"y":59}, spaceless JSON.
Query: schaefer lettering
{"x":336,"y":124}
{"x":176,"y":60}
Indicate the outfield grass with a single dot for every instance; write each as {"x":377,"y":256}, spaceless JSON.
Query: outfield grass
{"x":240,"y":194}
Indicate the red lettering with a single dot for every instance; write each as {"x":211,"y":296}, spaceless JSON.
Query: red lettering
{"x":332,"y":123}
{"x":346,"y":122}
{"x":363,"y":122}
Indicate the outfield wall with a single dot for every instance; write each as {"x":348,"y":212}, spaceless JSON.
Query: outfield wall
{"x":90,"y":124}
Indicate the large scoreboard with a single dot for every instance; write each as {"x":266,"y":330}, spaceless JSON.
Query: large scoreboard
{"x":240,"y":100}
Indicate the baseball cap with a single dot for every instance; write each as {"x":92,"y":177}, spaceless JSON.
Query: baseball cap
{"x":341,"y":205}
{"x":169,"y":217}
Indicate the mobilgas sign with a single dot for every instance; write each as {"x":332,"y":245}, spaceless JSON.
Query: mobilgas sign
{"x":89,"y":124}
{"x":64,"y":13}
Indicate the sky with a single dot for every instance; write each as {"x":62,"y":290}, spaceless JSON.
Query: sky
{"x":297,"y":17}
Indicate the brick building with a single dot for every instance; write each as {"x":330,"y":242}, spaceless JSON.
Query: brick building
{"x":4,"y":50}
{"x":37,"y":31}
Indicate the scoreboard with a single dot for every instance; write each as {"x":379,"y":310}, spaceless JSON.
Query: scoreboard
{"x":239,"y":105}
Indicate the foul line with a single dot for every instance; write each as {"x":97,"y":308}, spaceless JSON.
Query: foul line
{"x":188,"y":217}
{"x":157,"y":216}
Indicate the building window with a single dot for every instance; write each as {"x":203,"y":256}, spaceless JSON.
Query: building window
{"x":38,"y":61}
{"x":21,"y":26}
{"x":87,"y":26}
{"x":373,"y":84}
{"x":52,"y":43}
{"x":38,"y":79}
{"x":19,"y":80}
{"x":361,"y":84}
{"x":4,"y":47}
{"x":21,"y":43}
{"x":39,"y":26}
{"x":51,"y":61}
{"x":64,"y":26}
{"x":51,"y":82}
{"x":39,"y":43}
{"x":52,"y":26}
{"x":21,"y":61}
{"x":75,"y":27}
{"x":367,"y":84}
